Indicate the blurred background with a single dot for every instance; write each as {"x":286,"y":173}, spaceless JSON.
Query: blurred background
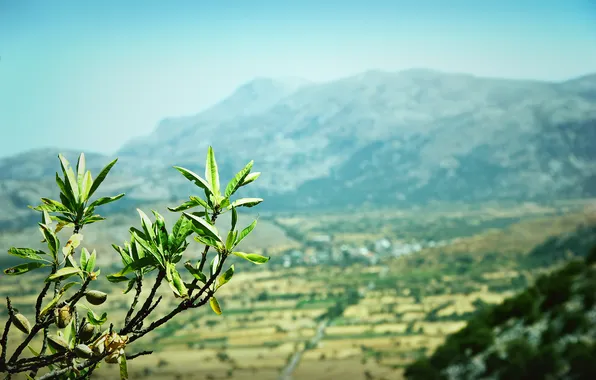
{"x":422,"y":162}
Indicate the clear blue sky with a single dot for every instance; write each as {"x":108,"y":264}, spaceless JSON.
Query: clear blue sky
{"x":92,"y":74}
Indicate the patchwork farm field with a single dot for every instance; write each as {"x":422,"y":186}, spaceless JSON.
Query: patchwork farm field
{"x":357,"y":321}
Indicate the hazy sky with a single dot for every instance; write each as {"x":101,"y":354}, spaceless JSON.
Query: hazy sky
{"x":92,"y":74}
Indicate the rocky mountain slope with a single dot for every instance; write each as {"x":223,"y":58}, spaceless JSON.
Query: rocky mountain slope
{"x":375,"y":138}
{"x":547,"y":331}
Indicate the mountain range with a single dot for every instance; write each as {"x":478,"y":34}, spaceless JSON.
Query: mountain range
{"x":369,"y":140}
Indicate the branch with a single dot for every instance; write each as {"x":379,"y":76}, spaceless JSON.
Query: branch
{"x":127,"y":328}
{"x":138,"y":290}
{"x":184,"y":305}
{"x":4,"y":339}
{"x":48,"y":320}
{"x":133,"y":356}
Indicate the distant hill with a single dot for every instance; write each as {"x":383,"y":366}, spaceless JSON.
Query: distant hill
{"x":377,"y":138}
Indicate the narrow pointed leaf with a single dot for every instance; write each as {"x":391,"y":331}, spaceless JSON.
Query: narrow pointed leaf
{"x":234,"y":218}
{"x":245,"y":202}
{"x":250,"y":178}
{"x":91,"y":262}
{"x":105,"y":200}
{"x":71,"y":181}
{"x":226,"y":277}
{"x":54,"y":206}
{"x":84,"y":258}
{"x":184,"y":206}
{"x":86,"y":187}
{"x":230,"y":240}
{"x":211,"y":172}
{"x":123,"y":367}
{"x":24,"y":268}
{"x":204,"y":226}
{"x":147,"y":225}
{"x":64,"y":272}
{"x":244,"y":233}
{"x":72,"y":243}
{"x":26,"y":253}
{"x":195,"y":178}
{"x":235,"y":183}
{"x":252,"y":257}
{"x":101,"y":176}
{"x":81,"y":174}
{"x":195,"y":272}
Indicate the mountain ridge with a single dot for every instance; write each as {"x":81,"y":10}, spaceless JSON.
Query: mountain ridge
{"x":411,"y":136}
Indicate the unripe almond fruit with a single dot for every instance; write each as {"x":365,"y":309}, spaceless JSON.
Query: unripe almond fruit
{"x":83,"y":351}
{"x":57,"y":343}
{"x":63,"y":316}
{"x":21,"y":322}
{"x":87,"y":332}
{"x":95,"y":297}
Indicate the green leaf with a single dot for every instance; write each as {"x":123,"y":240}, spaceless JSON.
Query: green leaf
{"x":92,"y":219}
{"x":184,"y":206}
{"x":245,"y":202}
{"x":195,"y":178}
{"x":84,"y":258}
{"x":91,"y":262}
{"x":147,"y":225}
{"x":23,"y":268}
{"x":81,"y":174}
{"x":35,"y":353}
{"x":215,"y":305}
{"x":51,"y":304}
{"x":131,"y":284}
{"x":65,"y":194}
{"x":195,"y":272}
{"x":178,"y":284}
{"x":102,"y":175}
{"x":181,"y":230}
{"x":199,"y":201}
{"x":71,"y":181}
{"x":63,"y":272}
{"x":117,"y":277}
{"x":234,"y":217}
{"x":148,"y":248}
{"x":205,"y":240}
{"x":123,"y":367}
{"x":250,"y":178}
{"x":105,"y":200}
{"x":204,"y":227}
{"x":51,"y":239}
{"x":226,"y":277}
{"x":126,"y":259}
{"x":161,"y":231}
{"x":94,"y":320}
{"x":244,"y":233}
{"x":214,"y":264}
{"x":68,"y":286}
{"x":235,"y":183}
{"x":72,"y":244}
{"x":86,"y":187}
{"x":252,"y":257}
{"x":230,"y":240}
{"x":211,"y":172}
{"x":54,"y":206}
{"x":26,"y":253}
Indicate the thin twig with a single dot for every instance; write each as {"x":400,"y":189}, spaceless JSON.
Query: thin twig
{"x":130,"y":357}
{"x":4,"y":339}
{"x":138,"y":290}
{"x":127,"y":328}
